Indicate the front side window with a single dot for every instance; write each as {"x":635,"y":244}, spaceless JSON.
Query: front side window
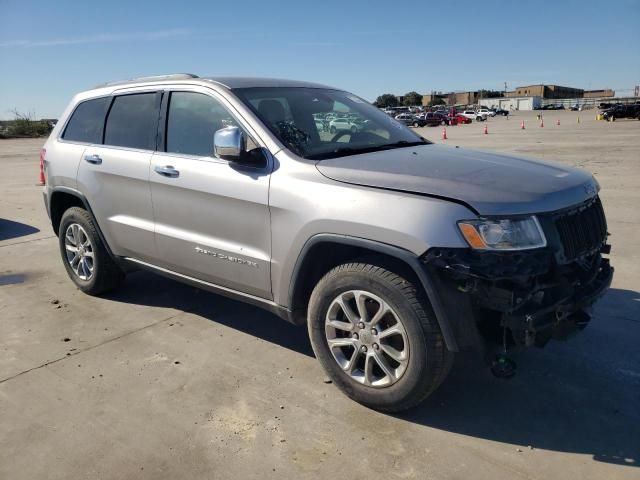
{"x":303,"y":119}
{"x":133,"y":121}
{"x":192,"y":120}
{"x":87,"y":121}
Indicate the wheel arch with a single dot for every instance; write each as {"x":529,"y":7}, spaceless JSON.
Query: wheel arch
{"x":323,"y":252}
{"x":63,"y":198}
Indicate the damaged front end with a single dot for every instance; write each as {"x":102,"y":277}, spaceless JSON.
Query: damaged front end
{"x":526,"y":297}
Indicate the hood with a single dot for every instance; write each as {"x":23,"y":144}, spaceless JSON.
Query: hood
{"x":490,"y":183}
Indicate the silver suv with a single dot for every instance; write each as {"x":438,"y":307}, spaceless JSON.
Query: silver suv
{"x":395,"y":252}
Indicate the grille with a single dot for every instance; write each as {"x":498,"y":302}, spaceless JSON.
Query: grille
{"x":582,"y":230}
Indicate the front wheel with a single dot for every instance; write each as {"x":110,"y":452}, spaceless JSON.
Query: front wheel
{"x":85,"y":257}
{"x":376,"y":337}
{"x":416,"y":124}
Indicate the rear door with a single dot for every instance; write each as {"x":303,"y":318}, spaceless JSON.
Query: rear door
{"x":212,"y":216}
{"x":114,"y":175}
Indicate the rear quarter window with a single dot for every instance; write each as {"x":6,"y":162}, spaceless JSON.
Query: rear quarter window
{"x":87,"y":121}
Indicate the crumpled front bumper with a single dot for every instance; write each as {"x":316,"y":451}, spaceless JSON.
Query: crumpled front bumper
{"x":526,"y":294}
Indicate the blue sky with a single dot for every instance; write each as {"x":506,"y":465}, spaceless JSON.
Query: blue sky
{"x":50,"y":50}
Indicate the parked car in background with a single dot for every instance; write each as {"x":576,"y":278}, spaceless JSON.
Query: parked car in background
{"x":485,"y":112}
{"x":502,"y":111}
{"x":343,"y":124}
{"x":433,"y":119}
{"x":622,"y":111}
{"x":473,"y":115}
{"x":445,"y":118}
{"x":552,"y":107}
{"x":411,"y":119}
{"x":462,"y":119}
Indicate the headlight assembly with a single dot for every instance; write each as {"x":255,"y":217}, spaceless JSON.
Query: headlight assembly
{"x":505,"y":234}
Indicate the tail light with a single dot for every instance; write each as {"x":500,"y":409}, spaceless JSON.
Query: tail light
{"x":43,"y":154}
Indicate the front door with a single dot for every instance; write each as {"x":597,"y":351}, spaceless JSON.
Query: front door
{"x":211,"y":216}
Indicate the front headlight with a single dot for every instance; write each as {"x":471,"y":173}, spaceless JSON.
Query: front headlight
{"x":507,"y":234}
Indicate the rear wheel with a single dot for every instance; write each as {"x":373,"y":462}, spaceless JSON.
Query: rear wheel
{"x":416,"y":124}
{"x":377,"y":337}
{"x":332,"y":130}
{"x":85,"y":257}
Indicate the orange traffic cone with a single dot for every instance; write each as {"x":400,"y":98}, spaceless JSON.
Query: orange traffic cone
{"x":522,"y":125}
{"x":558,"y":122}
{"x":486,"y":130}
{"x":444,"y":133}
{"x":541,"y":123}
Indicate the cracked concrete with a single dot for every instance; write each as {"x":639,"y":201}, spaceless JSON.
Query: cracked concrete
{"x":160,"y":380}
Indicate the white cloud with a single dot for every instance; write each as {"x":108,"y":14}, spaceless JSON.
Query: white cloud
{"x":98,"y":38}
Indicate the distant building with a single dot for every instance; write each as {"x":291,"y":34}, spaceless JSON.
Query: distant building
{"x":546,"y":91}
{"x":459,"y":98}
{"x":512,"y":103}
{"x":557,"y":92}
{"x":436,"y":98}
{"x":599,"y":93}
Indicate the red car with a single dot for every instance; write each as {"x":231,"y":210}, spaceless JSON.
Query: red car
{"x":462,"y":118}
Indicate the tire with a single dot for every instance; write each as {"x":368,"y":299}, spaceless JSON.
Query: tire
{"x":443,"y":123}
{"x":354,"y":130}
{"x":332,"y":130}
{"x":416,"y":124}
{"x":99,"y":274}
{"x":426,"y":360}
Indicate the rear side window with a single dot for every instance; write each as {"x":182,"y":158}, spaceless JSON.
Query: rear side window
{"x":87,"y":122}
{"x":133,"y":121}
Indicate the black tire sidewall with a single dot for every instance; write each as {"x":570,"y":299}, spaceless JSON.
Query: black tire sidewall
{"x":419,"y":377}
{"x":79,"y":216}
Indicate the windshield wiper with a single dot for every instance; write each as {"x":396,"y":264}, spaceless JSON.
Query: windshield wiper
{"x":403,"y":143}
{"x":344,"y":151}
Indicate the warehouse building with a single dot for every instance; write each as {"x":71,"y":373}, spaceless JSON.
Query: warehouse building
{"x":607,"y":92}
{"x":546,"y":91}
{"x":512,"y":103}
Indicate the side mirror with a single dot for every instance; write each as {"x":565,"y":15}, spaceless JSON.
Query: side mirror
{"x":229,"y":143}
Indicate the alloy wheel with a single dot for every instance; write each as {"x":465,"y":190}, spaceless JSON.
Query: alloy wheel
{"x":367,"y":338}
{"x":79,"y":251}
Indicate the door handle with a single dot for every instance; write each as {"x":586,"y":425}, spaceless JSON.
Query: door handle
{"x":94,"y":159}
{"x":167,"y":171}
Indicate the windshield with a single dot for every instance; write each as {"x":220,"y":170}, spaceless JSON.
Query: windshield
{"x":318,"y":123}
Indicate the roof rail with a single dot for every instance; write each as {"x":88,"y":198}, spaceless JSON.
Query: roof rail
{"x":154,"y":78}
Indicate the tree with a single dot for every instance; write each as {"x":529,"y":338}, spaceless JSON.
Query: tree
{"x":23,"y":125}
{"x":412,"y":99}
{"x":386,"y":100}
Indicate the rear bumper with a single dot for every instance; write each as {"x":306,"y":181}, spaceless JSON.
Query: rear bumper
{"x":525,"y":294}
